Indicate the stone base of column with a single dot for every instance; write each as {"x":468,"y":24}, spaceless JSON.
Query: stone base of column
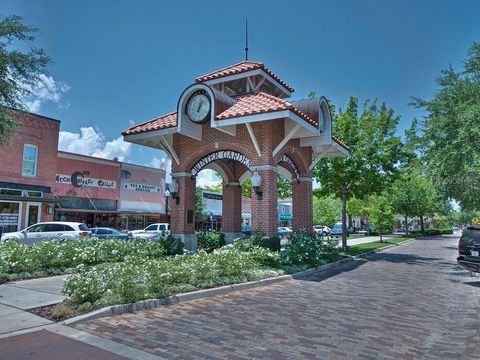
{"x":230,"y":236}
{"x":189,"y":240}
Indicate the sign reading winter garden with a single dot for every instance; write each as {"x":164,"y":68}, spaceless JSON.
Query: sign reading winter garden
{"x":78,"y":180}
{"x":286,"y":159}
{"x":142,"y":187}
{"x":219,"y":155}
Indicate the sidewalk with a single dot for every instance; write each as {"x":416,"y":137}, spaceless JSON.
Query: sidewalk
{"x":25,"y":335}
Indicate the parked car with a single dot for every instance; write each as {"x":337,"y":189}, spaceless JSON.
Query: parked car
{"x":337,"y":230}
{"x":48,"y":231}
{"x":321,"y":230}
{"x":157,"y":228}
{"x":246,"y":230}
{"x":469,"y":249}
{"x":109,"y":233}
{"x":284,"y":231}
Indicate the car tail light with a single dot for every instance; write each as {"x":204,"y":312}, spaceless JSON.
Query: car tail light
{"x":83,"y":233}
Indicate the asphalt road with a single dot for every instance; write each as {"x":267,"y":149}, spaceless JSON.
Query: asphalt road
{"x":409,"y":302}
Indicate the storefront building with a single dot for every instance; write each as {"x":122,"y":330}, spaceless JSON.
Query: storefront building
{"x":141,"y":197}
{"x":26,"y":167}
{"x":39,"y":183}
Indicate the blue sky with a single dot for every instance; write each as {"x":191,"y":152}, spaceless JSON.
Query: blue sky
{"x":120,"y":62}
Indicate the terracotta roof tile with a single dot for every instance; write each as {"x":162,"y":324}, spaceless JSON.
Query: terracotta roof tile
{"x":342,"y":144}
{"x":163,"y":122}
{"x":260,"y":103}
{"x":240,"y":68}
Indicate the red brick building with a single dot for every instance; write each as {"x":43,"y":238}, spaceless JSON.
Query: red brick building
{"x":27,"y":164}
{"x":40,"y":183}
{"x":237,"y":122}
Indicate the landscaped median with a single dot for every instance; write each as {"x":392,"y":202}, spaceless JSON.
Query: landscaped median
{"x":110,"y":272}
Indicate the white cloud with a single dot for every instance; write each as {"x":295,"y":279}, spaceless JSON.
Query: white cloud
{"x":46,"y":89}
{"x":92,"y":142}
{"x":131,"y":122}
{"x":164,"y":162}
{"x":208,"y":177}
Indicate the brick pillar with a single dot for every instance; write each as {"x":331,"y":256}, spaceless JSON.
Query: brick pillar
{"x":231,"y":211}
{"x":182,"y":215}
{"x":302,"y":198}
{"x":264,"y":212}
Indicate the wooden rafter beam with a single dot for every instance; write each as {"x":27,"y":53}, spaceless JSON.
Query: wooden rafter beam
{"x":286,"y":139}
{"x":317,"y":159}
{"x":169,"y":147}
{"x":254,"y":139}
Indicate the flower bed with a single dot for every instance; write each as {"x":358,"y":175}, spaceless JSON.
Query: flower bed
{"x":20,"y":261}
{"x":138,"y":278}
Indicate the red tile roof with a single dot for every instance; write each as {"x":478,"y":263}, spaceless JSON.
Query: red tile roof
{"x":345,"y":146}
{"x":260,"y":103}
{"x":163,"y":122}
{"x":240,"y":68}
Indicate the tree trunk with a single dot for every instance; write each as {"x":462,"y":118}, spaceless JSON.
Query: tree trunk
{"x":406,"y":225}
{"x":422,"y":228}
{"x":381,"y":239}
{"x":368,"y":227}
{"x":344,"y":219}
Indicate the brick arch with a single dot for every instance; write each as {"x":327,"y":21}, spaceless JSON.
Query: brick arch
{"x":298,"y":157}
{"x":187,"y":164}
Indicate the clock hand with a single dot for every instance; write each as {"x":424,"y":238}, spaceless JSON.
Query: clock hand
{"x":199,"y":106}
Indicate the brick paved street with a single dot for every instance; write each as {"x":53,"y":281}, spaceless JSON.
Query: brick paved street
{"x":409,"y":302}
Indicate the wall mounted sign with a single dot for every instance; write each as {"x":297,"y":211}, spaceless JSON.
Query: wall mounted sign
{"x":286,"y":159}
{"x":8,"y":219}
{"x":142,"y":187}
{"x":213,"y":196}
{"x":219,"y":155}
{"x":78,"y":180}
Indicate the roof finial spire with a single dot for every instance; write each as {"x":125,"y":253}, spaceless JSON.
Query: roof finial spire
{"x":246,"y":39}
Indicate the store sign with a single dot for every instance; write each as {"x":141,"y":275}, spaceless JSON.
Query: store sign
{"x":78,"y":180}
{"x":286,"y":159}
{"x":142,"y":188}
{"x":219,"y":155}
{"x":8,"y":219}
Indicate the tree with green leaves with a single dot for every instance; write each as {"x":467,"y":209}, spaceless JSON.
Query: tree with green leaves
{"x":360,"y":207}
{"x":382,"y":215}
{"x":414,"y":195}
{"x":200,"y":214}
{"x":375,"y":153}
{"x":19,"y":69}
{"x":326,"y":210}
{"x":450,"y":132}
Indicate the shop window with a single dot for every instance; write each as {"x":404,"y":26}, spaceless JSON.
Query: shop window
{"x":30,"y":155}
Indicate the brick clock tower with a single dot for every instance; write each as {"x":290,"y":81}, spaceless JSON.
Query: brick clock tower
{"x":237,"y":122}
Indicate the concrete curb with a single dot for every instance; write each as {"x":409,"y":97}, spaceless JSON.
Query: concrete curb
{"x":174,"y":299}
{"x":206,"y":293}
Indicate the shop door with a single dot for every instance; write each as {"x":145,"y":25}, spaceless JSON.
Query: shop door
{"x":33,"y":213}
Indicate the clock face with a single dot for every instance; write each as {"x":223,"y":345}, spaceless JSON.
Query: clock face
{"x":198,"y":107}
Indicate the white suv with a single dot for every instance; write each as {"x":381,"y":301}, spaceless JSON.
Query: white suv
{"x":48,"y":230}
{"x":152,"y":232}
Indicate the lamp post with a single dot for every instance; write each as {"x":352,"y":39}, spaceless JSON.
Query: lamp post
{"x":167,"y":195}
{"x":256,"y":183}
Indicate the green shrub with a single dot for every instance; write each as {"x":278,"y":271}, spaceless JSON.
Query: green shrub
{"x":210,"y":241}
{"x":171,"y":245}
{"x":309,"y":250}
{"x":433,"y":231}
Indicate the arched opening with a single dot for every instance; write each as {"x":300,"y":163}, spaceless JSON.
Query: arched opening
{"x":208,"y":200}
{"x":218,"y":192}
